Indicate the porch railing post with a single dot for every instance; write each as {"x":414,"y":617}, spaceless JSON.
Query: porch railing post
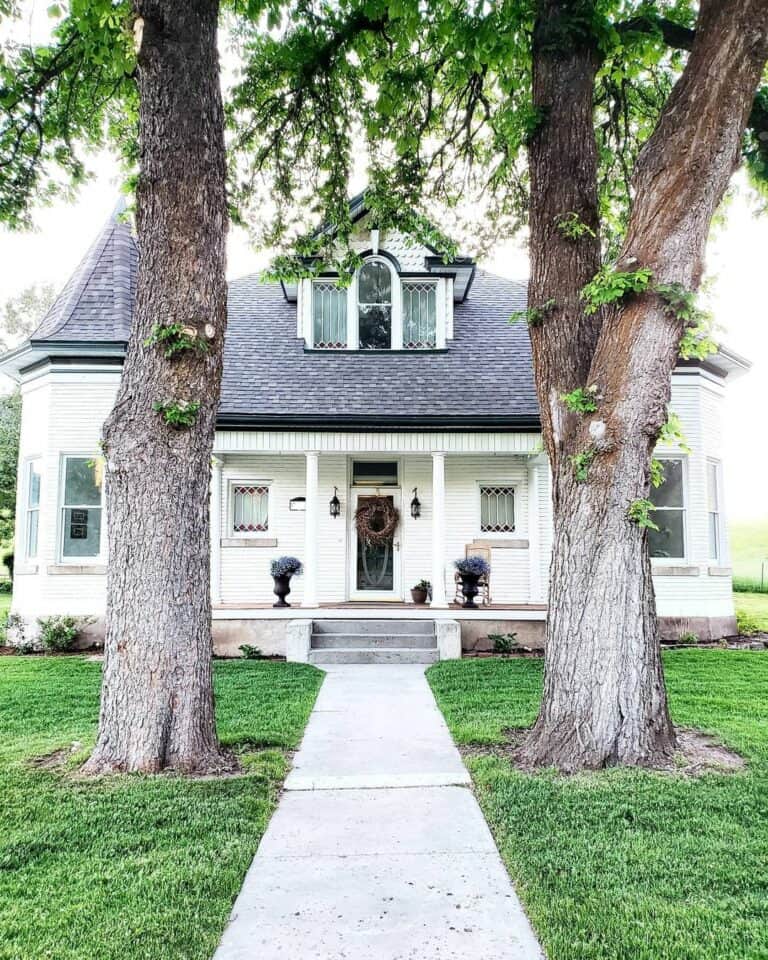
{"x":310,"y":531}
{"x":438,"y":530}
{"x":215,"y":526}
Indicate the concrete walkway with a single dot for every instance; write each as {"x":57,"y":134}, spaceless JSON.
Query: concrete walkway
{"x":377,"y":850}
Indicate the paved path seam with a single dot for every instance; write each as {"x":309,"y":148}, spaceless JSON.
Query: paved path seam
{"x":377,"y":849}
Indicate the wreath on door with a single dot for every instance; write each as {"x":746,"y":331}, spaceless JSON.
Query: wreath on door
{"x":376,"y":520}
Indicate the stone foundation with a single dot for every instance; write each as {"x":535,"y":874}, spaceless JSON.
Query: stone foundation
{"x":705,"y":628}
{"x":474,"y":633}
{"x":270,"y":635}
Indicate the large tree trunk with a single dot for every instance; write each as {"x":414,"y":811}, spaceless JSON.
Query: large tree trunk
{"x":157,"y":707}
{"x":604,"y":698}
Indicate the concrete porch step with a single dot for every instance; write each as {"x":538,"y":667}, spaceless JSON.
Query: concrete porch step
{"x":367,"y":627}
{"x":392,"y":655}
{"x":374,"y":641}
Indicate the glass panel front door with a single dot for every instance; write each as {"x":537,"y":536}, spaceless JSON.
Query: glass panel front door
{"x":376,"y":572}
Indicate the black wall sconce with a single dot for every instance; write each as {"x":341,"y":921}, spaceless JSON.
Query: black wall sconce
{"x":335,"y":504}
{"x":415,"y":504}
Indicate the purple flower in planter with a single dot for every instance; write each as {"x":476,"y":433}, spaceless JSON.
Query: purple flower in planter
{"x":474,"y":566}
{"x":285,"y":566}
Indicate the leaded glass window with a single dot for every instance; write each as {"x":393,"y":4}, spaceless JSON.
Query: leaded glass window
{"x":497,"y":509}
{"x":668,"y":513}
{"x":374,"y":298}
{"x":419,"y":315}
{"x":329,"y":316}
{"x":250,"y":508}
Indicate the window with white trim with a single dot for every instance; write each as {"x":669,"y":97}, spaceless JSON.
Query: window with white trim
{"x":668,"y":541}
{"x":497,"y":509}
{"x":329,"y":316}
{"x":374,"y":306}
{"x":81,"y":508}
{"x":379,"y":310}
{"x":32,"y":509}
{"x":249,"y":510}
{"x":713,"y":509}
{"x":419,"y":314}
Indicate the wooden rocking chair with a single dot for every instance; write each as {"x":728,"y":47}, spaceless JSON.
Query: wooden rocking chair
{"x":484,"y":583}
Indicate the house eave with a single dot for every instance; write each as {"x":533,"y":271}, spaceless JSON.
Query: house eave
{"x":32,"y":354}
{"x":480,"y":423}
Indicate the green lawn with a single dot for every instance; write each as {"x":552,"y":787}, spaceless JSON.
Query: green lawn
{"x":5,"y":606}
{"x":749,"y":547}
{"x":628,"y":865}
{"x":131,"y":868}
{"x":752,"y":607}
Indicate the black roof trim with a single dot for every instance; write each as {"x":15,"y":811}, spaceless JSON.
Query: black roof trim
{"x":378,"y":424}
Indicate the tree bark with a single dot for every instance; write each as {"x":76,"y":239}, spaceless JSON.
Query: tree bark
{"x":157,"y":708}
{"x":604,"y":699}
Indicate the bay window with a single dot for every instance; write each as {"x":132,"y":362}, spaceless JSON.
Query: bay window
{"x":669,"y":513}
{"x":81,"y":509}
{"x":713,"y":509}
{"x":32,"y":508}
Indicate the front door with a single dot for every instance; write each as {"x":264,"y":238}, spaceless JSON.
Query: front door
{"x":375,"y":567}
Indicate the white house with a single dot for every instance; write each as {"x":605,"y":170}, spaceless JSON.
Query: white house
{"x":410,"y":384}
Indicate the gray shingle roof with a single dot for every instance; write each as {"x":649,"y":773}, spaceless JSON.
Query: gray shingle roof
{"x":483,"y":378}
{"x":97,"y":301}
{"x":485,"y":373}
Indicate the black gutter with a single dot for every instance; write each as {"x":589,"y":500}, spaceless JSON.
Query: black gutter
{"x":379,"y":424}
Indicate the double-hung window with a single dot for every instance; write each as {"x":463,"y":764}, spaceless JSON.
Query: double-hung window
{"x":32,"y":508}
{"x":374,"y":306}
{"x":249,"y":507}
{"x":669,"y":512}
{"x":81,"y":509}
{"x":713,"y":509}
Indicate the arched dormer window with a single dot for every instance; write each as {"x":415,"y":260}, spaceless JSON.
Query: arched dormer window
{"x":381,"y":309}
{"x":374,"y":305}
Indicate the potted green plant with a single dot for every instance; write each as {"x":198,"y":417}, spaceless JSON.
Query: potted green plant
{"x":470,"y":570}
{"x":282,"y":570}
{"x":420,"y":593}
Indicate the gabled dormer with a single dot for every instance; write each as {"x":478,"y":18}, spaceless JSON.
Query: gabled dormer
{"x":401,"y":297}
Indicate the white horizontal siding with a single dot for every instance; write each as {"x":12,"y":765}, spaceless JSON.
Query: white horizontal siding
{"x":63,"y":412}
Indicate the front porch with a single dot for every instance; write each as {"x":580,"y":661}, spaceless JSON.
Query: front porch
{"x":289,"y":493}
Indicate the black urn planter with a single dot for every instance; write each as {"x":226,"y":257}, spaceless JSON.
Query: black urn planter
{"x":282,"y":589}
{"x":470,"y":589}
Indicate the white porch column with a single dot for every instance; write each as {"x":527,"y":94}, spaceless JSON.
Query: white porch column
{"x":216,"y":503}
{"x":534,"y":532}
{"x":438,"y":530}
{"x":311,"y":552}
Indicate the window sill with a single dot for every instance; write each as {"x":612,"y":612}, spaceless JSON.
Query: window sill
{"x":715,"y":571}
{"x":377,"y":352}
{"x":25,"y":569}
{"x":76,"y":569}
{"x":248,"y":542}
{"x":675,"y":570}
{"x":502,"y":543}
